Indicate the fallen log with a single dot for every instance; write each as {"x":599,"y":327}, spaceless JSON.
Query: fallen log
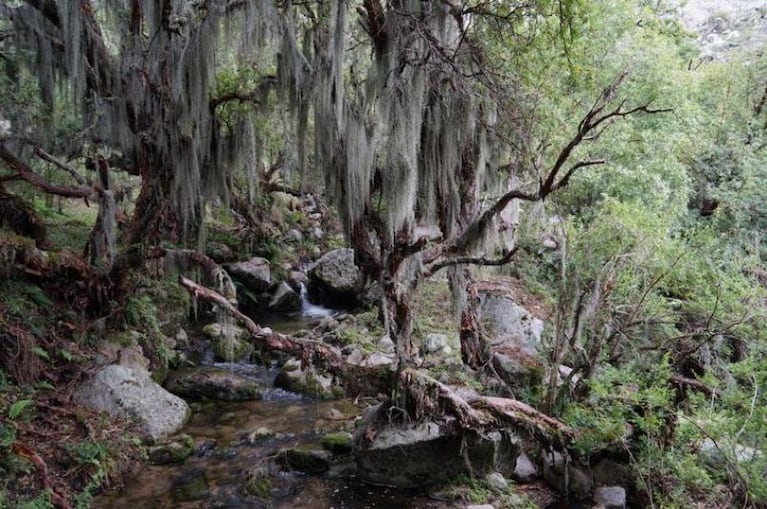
{"x":309,"y":352}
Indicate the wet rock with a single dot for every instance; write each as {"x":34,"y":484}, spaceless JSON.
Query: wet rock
{"x":310,"y":461}
{"x":258,"y":483}
{"x":131,"y":393}
{"x":259,"y":435}
{"x":510,"y":324}
{"x":176,"y":451}
{"x":296,"y":279}
{"x":564,"y":477}
{"x":337,"y":443}
{"x":292,"y":377}
{"x":421,"y":454}
{"x":335,"y":279}
{"x":610,"y":497}
{"x":190,"y":487}
{"x":525,"y":470}
{"x":317,"y":233}
{"x":212,"y":383}
{"x":254,"y":274}
{"x":285,"y":299}
{"x":230,"y":342}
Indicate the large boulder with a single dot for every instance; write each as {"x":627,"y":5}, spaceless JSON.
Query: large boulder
{"x":335,"y":280}
{"x":130,"y":392}
{"x":230,"y":342}
{"x":285,"y":299}
{"x":212,"y":383}
{"x":254,"y":274}
{"x":509,"y":324}
{"x":421,"y":454}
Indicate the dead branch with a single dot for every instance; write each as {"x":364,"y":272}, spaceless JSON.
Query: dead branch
{"x":520,"y":415}
{"x":310,"y":352}
{"x":681,"y":381}
{"x":484,"y":412}
{"x":45,"y":156}
{"x":25,"y":452}
{"x":470,"y":260}
{"x":588,"y":127}
{"x":26,"y":173}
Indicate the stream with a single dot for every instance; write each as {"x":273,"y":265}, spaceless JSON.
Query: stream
{"x":233,"y":437}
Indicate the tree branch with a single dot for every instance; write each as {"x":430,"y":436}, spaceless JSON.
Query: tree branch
{"x":26,"y":173}
{"x":310,"y":352}
{"x":45,"y":156}
{"x":469,"y":260}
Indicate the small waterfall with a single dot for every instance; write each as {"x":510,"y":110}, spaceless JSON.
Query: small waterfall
{"x":312,"y":310}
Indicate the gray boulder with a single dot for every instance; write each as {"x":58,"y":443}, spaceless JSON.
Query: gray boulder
{"x":421,"y":454}
{"x":212,"y":383}
{"x":254,"y":274}
{"x":130,"y":392}
{"x":509,"y":324}
{"x":230,"y":342}
{"x":335,"y":278}
{"x":525,"y":470}
{"x":285,"y":299}
{"x":610,"y":497}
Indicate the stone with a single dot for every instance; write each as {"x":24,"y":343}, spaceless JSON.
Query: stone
{"x":334,"y":414}
{"x":496,"y":481}
{"x":182,"y":338}
{"x":435,"y":343}
{"x":608,"y":472}
{"x":566,"y":478}
{"x":525,"y":470}
{"x":285,"y":299}
{"x":480,"y":506}
{"x":294,"y":235}
{"x":317,"y":233}
{"x":517,"y":368}
{"x":254,"y":274}
{"x":509,"y":324}
{"x":716,"y":454}
{"x":310,"y":461}
{"x":335,"y":278}
{"x":610,"y":497}
{"x":296,"y":279}
{"x":292,"y":377}
{"x":420,"y":454}
{"x":213,"y":383}
{"x":219,"y":252}
{"x":189,"y":487}
{"x":228,"y":349}
{"x":258,"y":483}
{"x":175,"y":451}
{"x":377,"y":359}
{"x":131,"y":393}
{"x":337,"y":443}
{"x":385,"y":344}
{"x":230,"y":342}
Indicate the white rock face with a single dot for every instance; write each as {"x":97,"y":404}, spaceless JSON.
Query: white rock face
{"x":129,"y":391}
{"x":723,"y":25}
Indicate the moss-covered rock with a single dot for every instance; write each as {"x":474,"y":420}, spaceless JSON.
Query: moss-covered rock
{"x":337,"y":443}
{"x":173,"y":452}
{"x":310,"y":461}
{"x":258,"y":483}
{"x":213,"y":383}
{"x":292,"y":377}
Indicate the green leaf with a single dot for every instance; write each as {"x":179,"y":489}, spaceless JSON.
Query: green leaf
{"x":19,"y":407}
{"x":41,"y":353}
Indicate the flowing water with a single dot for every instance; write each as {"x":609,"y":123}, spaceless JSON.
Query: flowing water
{"x":235,"y":437}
